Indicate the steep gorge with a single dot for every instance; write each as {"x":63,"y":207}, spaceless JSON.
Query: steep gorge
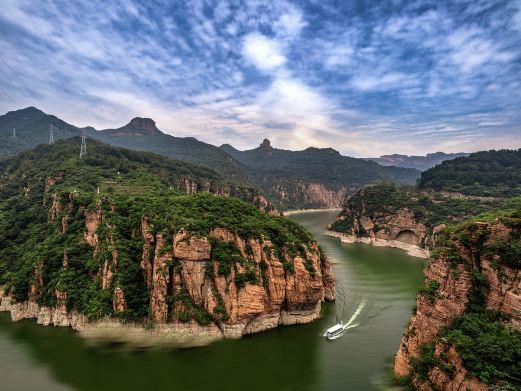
{"x":314,"y":178}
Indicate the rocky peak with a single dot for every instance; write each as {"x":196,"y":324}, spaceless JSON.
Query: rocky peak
{"x":137,"y":127}
{"x":266,"y":144}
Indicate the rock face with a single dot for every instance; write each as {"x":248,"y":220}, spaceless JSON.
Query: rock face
{"x":314,"y":178}
{"x":137,"y":127}
{"x":455,"y":282}
{"x":399,"y":229}
{"x":309,"y":194}
{"x":255,"y":287}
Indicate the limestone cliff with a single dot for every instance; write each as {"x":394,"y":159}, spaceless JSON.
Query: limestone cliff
{"x":219,"y":284}
{"x":399,"y":229}
{"x":307,"y":195}
{"x":474,"y":274}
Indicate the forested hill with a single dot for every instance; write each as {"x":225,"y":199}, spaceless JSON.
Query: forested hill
{"x":314,"y":177}
{"x":27,"y":128}
{"x":319,"y":164}
{"x":487,"y":173}
{"x":144,"y":238}
{"x":32,"y":128}
{"x":114,"y":170}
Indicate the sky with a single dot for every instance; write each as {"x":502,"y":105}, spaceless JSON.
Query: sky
{"x":364,"y":77}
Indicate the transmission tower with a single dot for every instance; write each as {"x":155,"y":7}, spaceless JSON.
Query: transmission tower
{"x":14,"y":132}
{"x":83,"y":148}
{"x":51,"y":134}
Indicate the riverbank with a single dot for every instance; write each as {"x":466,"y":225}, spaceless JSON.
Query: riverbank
{"x":174,"y":335}
{"x":298,"y":211}
{"x":412,"y":250}
{"x":386,"y":279}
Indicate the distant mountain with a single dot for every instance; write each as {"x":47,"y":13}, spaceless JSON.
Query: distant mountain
{"x":418,"y":162}
{"x":26,"y":128}
{"x":486,"y":173}
{"x":32,"y":128}
{"x":314,"y":177}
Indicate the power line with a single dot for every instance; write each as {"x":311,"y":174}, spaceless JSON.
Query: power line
{"x":25,"y":91}
{"x":51,"y":134}
{"x":14,"y":132}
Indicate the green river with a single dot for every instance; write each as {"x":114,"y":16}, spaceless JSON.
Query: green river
{"x":288,"y":358}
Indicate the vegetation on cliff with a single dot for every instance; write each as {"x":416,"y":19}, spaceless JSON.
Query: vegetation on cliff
{"x":49,"y":197}
{"x":484,"y":336}
{"x":487,"y":173}
{"x":386,"y":199}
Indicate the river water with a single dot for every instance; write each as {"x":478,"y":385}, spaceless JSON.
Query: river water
{"x":287,"y":358}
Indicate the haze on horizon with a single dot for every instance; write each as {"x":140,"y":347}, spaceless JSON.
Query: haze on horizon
{"x":366,"y":78}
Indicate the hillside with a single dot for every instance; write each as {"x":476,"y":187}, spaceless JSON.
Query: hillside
{"x":487,"y":173}
{"x":465,"y":331}
{"x":132,"y":236}
{"x":411,"y":217}
{"x":418,"y":162}
{"x":314,"y":177}
{"x":32,"y":128}
{"x":404,"y":217}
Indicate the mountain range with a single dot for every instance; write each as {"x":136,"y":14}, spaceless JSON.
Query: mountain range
{"x":312,"y":178}
{"x":421,"y":163}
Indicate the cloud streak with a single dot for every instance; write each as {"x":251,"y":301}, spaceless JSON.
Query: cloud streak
{"x":366,"y":80}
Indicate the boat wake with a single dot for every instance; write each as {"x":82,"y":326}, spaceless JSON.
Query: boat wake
{"x":340,"y":329}
{"x":354,"y":316}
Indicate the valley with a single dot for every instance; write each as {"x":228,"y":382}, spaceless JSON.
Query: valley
{"x":387,"y":279}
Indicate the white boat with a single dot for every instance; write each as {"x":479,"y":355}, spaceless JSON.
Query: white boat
{"x":335,"y":332}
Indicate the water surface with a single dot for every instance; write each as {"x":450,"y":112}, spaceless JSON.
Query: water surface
{"x":286,"y":359}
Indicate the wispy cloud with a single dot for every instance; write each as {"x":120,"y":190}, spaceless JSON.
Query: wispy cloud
{"x":366,"y":80}
{"x":263,"y":52}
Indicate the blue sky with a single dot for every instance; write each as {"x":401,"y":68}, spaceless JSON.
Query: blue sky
{"x":366,"y":78}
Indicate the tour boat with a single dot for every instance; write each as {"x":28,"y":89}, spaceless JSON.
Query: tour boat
{"x":334,"y":332}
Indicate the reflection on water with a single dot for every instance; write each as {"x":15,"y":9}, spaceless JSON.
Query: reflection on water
{"x":287,"y":358}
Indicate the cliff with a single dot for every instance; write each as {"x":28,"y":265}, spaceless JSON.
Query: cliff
{"x":307,"y":195}
{"x":403,"y":217}
{"x":464,"y":333}
{"x":216,"y":286}
{"x":106,"y":243}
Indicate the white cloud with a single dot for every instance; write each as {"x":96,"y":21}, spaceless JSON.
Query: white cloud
{"x":290,"y":23}
{"x":263,"y":52}
{"x":470,"y":50}
{"x":340,"y":55}
{"x":383,"y":82}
